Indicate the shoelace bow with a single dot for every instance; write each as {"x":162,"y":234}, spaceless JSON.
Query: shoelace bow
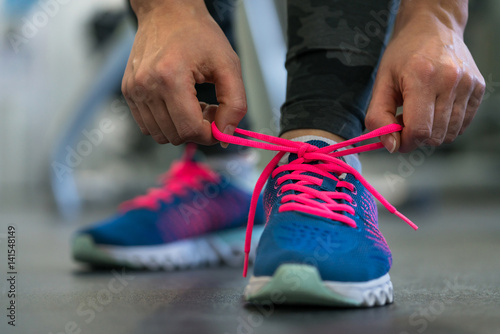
{"x":304,"y":197}
{"x":184,"y":174}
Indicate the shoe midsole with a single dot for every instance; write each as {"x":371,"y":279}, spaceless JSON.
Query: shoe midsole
{"x":226,"y":246}
{"x":356,"y":291}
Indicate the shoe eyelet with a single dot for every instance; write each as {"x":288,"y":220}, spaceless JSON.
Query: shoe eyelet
{"x":354,"y":204}
{"x":354,"y":191}
{"x":276,"y":185}
{"x":280,"y":192}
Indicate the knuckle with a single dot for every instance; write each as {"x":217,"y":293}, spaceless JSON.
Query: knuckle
{"x":231,"y":61}
{"x":128,"y":97}
{"x":421,"y":133}
{"x":124,"y":88}
{"x":239,"y":108}
{"x":126,"y":93}
{"x":160,"y":138}
{"x":160,"y":116}
{"x":477,"y":95}
{"x":146,"y":81}
{"x":370,"y":121}
{"x":451,"y":73}
{"x":450,"y":138}
{"x":423,"y":66}
{"x":236,"y":61}
{"x":480,"y":88}
{"x":166,"y":79}
{"x":141,"y":78}
{"x":469,"y":116}
{"x":168,"y":72}
{"x":188,"y":132}
{"x":479,"y":79}
{"x":454,"y":126}
{"x":464,"y":127}
{"x":435,"y":140}
{"x":467,"y":80}
{"x":176,"y":141}
{"x":474,"y":103}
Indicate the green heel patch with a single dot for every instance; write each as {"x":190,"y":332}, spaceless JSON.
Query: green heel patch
{"x":298,"y":284}
{"x":85,"y":250}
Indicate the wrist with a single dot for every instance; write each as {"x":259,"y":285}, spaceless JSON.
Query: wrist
{"x":144,"y":9}
{"x":452,"y":15}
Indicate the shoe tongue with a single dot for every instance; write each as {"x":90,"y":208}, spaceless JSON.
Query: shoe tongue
{"x":188,"y":168}
{"x":352,"y":159}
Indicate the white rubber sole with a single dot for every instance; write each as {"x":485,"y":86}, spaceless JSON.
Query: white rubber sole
{"x":224,"y":247}
{"x":302,"y":284}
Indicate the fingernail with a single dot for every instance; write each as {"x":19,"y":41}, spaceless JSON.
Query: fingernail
{"x":394,"y":143}
{"x":228,"y":130}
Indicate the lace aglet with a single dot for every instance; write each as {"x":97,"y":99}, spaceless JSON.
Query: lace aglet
{"x":406,"y":220}
{"x":245,"y":265}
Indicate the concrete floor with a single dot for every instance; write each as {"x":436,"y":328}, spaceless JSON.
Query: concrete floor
{"x":446,"y":278}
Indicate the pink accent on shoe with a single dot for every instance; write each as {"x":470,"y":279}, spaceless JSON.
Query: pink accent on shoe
{"x":183,"y":175}
{"x":304,"y":201}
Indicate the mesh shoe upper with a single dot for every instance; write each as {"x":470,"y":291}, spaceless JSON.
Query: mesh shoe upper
{"x":340,"y":252}
{"x":192,"y":201}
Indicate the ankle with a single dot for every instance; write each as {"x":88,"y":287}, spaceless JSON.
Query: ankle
{"x":311,"y":132}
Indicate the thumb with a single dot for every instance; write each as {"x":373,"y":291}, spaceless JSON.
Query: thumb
{"x":232,"y":102}
{"x":382,"y":111}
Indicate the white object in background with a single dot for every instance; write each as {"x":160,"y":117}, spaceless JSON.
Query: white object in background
{"x":269,"y":43}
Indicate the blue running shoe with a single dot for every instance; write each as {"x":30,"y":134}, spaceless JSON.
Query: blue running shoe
{"x":321,"y":244}
{"x":195,"y":218}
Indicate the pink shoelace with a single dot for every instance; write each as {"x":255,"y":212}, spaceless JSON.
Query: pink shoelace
{"x":305,"y":197}
{"x":184,"y":174}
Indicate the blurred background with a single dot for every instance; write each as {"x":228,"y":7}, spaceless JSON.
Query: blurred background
{"x":70,"y":152}
{"x":60,"y":72}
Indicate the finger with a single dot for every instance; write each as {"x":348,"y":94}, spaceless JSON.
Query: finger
{"x":418,"y":117}
{"x":209,"y":112}
{"x":185,"y":112}
{"x":442,"y":113}
{"x":456,"y":120}
{"x":232,"y":99}
{"x":470,"y":113}
{"x":151,"y":125}
{"x":162,"y":117}
{"x":203,"y":105}
{"x":382,"y":110}
{"x":452,"y":83}
{"x":464,"y":91}
{"x":134,"y":110}
{"x":473,"y":105}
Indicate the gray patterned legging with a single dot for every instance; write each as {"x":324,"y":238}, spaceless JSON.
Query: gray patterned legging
{"x":334,"y":47}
